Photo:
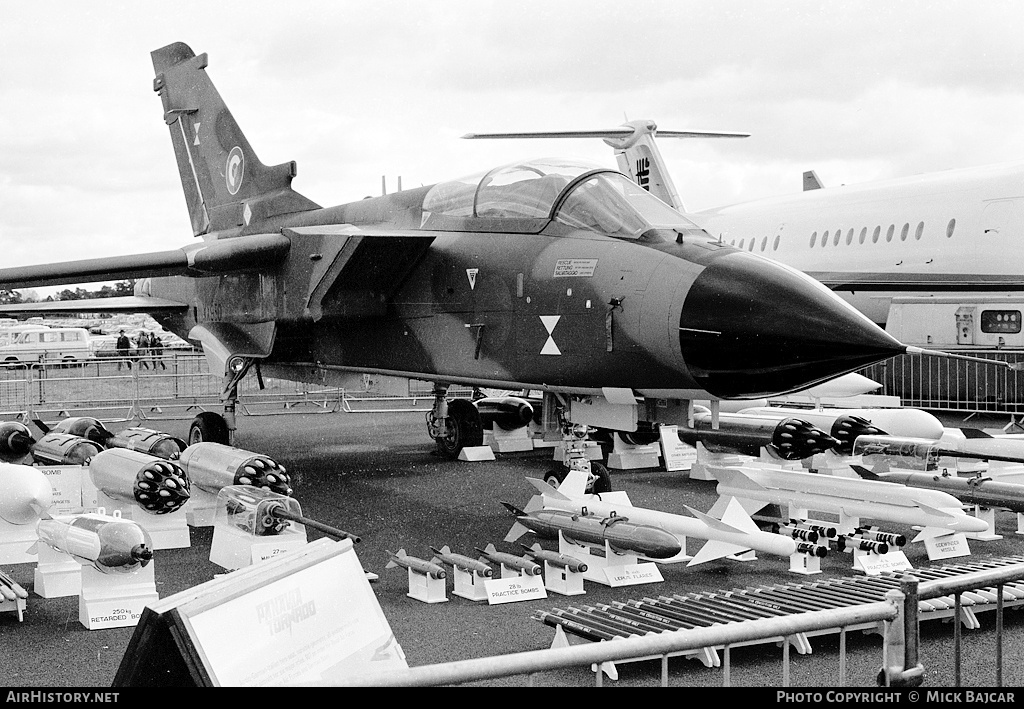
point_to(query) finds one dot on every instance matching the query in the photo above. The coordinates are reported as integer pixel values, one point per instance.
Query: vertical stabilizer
(225, 184)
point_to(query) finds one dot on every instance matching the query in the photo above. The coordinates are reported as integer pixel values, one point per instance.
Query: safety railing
(897, 615)
(953, 384)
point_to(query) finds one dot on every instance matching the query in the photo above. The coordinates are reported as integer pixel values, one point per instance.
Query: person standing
(156, 349)
(123, 346)
(143, 349)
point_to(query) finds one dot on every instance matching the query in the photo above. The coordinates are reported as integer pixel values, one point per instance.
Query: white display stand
(201, 508)
(469, 585)
(699, 469)
(15, 542)
(829, 463)
(561, 580)
(168, 531)
(425, 588)
(627, 456)
(115, 600)
(237, 537)
(18, 606)
(66, 481)
(804, 564)
(57, 574)
(502, 441)
(612, 569)
(475, 453)
(989, 515)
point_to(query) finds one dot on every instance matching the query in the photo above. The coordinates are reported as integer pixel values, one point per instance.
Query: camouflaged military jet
(550, 275)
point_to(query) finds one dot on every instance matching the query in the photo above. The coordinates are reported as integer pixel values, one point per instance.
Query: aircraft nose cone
(750, 327)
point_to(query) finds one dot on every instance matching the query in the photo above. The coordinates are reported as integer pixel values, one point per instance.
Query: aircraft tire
(464, 429)
(208, 427)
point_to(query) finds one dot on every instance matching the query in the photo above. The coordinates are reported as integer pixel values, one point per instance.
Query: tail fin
(225, 184)
(636, 152)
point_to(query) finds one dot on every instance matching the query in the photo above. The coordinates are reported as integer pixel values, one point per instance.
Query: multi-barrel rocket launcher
(212, 466)
(787, 438)
(110, 544)
(157, 485)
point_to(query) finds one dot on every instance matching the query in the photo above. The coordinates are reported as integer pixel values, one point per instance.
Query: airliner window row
(837, 236)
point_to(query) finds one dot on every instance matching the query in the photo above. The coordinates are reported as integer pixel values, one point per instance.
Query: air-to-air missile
(213, 466)
(420, 566)
(518, 563)
(459, 561)
(111, 544)
(978, 490)
(553, 557)
(25, 493)
(507, 412)
(11, 590)
(159, 486)
(791, 438)
(622, 536)
(56, 448)
(936, 511)
(15, 441)
(733, 532)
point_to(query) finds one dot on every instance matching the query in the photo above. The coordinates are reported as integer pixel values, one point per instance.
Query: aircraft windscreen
(520, 190)
(612, 204)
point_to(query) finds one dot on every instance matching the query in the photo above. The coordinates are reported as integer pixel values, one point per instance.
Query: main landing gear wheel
(463, 429)
(601, 479)
(208, 427)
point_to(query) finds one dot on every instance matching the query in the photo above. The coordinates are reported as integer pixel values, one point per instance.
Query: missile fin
(716, 523)
(517, 530)
(864, 473)
(931, 533)
(736, 516)
(975, 433)
(749, 506)
(546, 489)
(536, 503)
(391, 558)
(715, 550)
(574, 485)
(734, 477)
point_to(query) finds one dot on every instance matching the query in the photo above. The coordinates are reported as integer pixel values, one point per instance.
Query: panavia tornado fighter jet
(548, 275)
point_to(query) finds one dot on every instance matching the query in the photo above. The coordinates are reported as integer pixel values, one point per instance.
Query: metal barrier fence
(176, 386)
(953, 384)
(897, 615)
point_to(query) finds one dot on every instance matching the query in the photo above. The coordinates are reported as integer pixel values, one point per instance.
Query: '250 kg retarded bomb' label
(282, 612)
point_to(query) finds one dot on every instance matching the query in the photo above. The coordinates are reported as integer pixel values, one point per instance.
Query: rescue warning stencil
(565, 267)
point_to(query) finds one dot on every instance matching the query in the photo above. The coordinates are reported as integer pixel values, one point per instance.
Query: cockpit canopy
(528, 195)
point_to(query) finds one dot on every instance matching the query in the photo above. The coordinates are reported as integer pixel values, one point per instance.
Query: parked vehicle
(67, 344)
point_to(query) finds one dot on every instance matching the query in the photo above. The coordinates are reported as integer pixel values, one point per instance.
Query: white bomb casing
(25, 493)
(110, 544)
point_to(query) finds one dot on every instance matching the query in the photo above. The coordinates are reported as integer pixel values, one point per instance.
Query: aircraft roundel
(234, 169)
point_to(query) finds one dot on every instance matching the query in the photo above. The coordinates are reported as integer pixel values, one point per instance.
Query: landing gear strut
(574, 441)
(454, 424)
(212, 427)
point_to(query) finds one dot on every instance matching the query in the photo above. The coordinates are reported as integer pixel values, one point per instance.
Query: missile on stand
(56, 448)
(421, 566)
(111, 544)
(459, 561)
(213, 466)
(979, 490)
(159, 486)
(851, 543)
(621, 535)
(15, 441)
(790, 438)
(512, 561)
(25, 493)
(563, 561)
(507, 412)
(812, 549)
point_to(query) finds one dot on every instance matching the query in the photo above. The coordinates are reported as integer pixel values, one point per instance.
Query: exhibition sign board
(302, 617)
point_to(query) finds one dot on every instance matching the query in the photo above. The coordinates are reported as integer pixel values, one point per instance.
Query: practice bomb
(421, 566)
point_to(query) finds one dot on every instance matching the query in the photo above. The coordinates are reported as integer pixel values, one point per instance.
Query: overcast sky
(857, 91)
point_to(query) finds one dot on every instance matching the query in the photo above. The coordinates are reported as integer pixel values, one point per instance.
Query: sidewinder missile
(15, 441)
(728, 534)
(841, 425)
(512, 561)
(110, 544)
(212, 466)
(978, 490)
(25, 493)
(622, 536)
(420, 566)
(563, 561)
(754, 488)
(159, 486)
(789, 438)
(148, 441)
(11, 590)
(466, 563)
(57, 448)
(507, 412)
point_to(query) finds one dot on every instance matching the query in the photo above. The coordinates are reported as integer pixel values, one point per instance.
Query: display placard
(514, 588)
(306, 616)
(875, 564)
(947, 546)
(633, 574)
(676, 454)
